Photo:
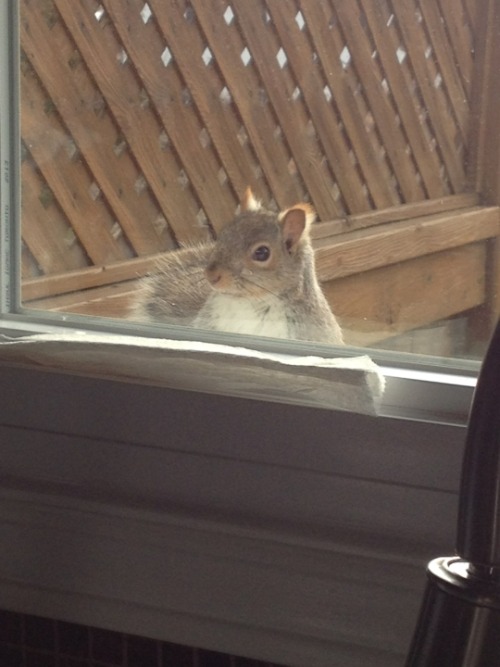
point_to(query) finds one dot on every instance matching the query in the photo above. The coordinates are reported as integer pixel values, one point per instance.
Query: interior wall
(293, 535)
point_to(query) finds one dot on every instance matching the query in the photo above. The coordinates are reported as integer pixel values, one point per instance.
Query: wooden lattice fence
(143, 123)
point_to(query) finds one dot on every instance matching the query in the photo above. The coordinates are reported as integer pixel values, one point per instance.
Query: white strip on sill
(353, 384)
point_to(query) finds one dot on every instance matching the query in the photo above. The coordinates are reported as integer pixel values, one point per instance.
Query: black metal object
(459, 623)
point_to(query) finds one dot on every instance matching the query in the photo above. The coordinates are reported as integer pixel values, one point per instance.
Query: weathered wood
(484, 164)
(29, 266)
(350, 223)
(68, 183)
(380, 104)
(80, 104)
(372, 306)
(362, 250)
(45, 232)
(106, 301)
(484, 167)
(435, 103)
(171, 108)
(459, 29)
(491, 303)
(279, 88)
(473, 8)
(394, 61)
(443, 54)
(88, 278)
(331, 250)
(351, 108)
(329, 137)
(377, 304)
(129, 104)
(167, 93)
(206, 85)
(259, 123)
(299, 53)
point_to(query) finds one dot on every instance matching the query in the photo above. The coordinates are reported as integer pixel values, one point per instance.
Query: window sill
(237, 522)
(292, 373)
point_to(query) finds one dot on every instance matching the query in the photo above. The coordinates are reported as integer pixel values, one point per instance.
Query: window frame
(419, 388)
(366, 561)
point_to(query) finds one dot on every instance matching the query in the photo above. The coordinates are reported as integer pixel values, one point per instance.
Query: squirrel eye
(261, 253)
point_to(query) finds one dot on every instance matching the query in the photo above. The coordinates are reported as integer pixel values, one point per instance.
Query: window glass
(146, 127)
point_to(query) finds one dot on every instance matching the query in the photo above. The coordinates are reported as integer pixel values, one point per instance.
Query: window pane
(144, 123)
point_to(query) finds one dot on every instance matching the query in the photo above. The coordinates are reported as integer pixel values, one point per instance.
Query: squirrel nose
(214, 275)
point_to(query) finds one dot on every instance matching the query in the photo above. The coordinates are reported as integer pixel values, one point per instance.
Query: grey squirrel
(257, 278)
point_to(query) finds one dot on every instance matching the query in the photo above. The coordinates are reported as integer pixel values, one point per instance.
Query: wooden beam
(109, 301)
(484, 134)
(330, 233)
(388, 301)
(484, 142)
(350, 223)
(372, 306)
(88, 278)
(363, 250)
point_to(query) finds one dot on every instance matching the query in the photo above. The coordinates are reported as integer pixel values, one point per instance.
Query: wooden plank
(300, 57)
(372, 306)
(167, 93)
(492, 300)
(416, 46)
(399, 76)
(259, 123)
(29, 266)
(414, 210)
(91, 277)
(74, 95)
(187, 44)
(390, 300)
(383, 112)
(110, 301)
(44, 229)
(351, 107)
(365, 249)
(138, 124)
(443, 53)
(460, 33)
(484, 170)
(484, 166)
(303, 145)
(443, 338)
(84, 279)
(474, 9)
(482, 322)
(68, 178)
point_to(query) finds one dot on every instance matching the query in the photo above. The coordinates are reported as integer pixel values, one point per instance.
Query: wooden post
(484, 146)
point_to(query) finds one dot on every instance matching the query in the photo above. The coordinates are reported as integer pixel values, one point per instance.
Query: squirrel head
(250, 203)
(260, 251)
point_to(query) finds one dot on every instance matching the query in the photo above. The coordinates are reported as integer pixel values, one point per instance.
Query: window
(193, 491)
(363, 111)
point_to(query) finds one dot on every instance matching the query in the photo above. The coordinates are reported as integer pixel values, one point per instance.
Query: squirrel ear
(249, 203)
(295, 223)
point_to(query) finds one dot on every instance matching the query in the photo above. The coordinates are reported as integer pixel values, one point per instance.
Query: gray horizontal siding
(282, 533)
